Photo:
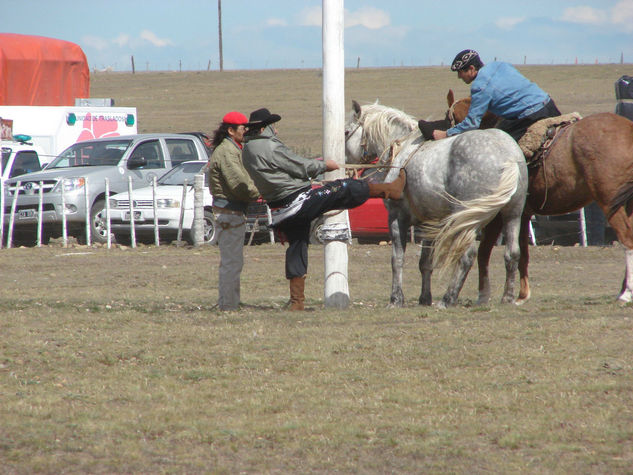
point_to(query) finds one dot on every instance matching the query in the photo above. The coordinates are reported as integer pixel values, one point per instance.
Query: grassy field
(116, 361)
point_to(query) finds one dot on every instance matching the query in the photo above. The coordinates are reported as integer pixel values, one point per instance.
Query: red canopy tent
(38, 71)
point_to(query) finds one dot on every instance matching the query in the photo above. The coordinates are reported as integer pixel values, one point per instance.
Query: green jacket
(228, 180)
(276, 170)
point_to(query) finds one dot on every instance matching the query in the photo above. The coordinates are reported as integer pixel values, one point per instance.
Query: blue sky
(173, 34)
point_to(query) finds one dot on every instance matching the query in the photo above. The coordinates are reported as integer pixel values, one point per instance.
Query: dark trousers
(339, 194)
(517, 127)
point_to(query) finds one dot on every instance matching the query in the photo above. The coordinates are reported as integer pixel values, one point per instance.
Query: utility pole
(336, 231)
(220, 33)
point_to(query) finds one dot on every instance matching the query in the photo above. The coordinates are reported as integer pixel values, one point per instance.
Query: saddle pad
(537, 133)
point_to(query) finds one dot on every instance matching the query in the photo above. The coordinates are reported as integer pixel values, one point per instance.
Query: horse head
(371, 129)
(458, 110)
(355, 147)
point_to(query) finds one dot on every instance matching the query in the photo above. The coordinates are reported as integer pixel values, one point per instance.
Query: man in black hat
(500, 88)
(284, 180)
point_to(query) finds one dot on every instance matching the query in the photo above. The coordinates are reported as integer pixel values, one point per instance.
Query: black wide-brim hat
(262, 117)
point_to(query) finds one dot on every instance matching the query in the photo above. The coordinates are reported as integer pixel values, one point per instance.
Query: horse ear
(356, 107)
(450, 97)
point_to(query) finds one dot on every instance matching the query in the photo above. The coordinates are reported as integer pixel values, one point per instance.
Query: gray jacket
(276, 170)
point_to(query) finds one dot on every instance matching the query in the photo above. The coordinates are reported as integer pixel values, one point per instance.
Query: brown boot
(297, 297)
(391, 191)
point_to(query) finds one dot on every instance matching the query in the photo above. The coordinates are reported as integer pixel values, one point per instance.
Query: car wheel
(315, 231)
(210, 228)
(98, 231)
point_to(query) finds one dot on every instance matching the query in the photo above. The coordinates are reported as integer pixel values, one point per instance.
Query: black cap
(466, 58)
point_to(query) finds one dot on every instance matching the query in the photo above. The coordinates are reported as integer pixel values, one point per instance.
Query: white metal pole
(336, 287)
(531, 233)
(155, 208)
(107, 210)
(89, 216)
(197, 226)
(131, 207)
(40, 206)
(1, 211)
(64, 228)
(583, 228)
(12, 217)
(271, 233)
(182, 211)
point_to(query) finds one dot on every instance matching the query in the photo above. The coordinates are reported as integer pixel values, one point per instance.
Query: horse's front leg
(398, 225)
(426, 270)
(489, 238)
(459, 277)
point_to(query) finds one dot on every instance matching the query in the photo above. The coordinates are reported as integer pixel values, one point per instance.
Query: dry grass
(115, 361)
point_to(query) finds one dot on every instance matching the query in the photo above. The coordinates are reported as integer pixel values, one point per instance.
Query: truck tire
(98, 231)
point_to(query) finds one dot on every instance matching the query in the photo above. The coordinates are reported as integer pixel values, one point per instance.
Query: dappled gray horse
(455, 186)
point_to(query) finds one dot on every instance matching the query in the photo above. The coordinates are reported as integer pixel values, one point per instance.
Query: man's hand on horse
(439, 134)
(331, 165)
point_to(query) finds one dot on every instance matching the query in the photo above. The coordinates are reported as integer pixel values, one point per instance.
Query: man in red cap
(232, 189)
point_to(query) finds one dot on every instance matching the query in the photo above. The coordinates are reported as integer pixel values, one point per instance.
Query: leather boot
(297, 297)
(391, 191)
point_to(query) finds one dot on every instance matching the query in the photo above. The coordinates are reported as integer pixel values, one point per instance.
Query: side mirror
(136, 162)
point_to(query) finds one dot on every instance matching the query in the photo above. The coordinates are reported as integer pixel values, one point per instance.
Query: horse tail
(454, 234)
(624, 195)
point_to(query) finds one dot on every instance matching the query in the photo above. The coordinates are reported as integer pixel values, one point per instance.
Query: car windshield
(184, 171)
(92, 154)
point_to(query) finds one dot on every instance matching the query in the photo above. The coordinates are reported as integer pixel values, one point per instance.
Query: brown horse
(591, 160)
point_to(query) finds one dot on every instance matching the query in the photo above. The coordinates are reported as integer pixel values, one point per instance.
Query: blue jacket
(504, 91)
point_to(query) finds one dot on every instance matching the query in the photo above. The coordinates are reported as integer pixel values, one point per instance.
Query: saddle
(541, 135)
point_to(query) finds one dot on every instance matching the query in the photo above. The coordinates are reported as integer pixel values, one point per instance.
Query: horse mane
(384, 124)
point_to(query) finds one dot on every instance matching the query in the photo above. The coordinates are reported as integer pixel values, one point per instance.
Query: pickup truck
(82, 169)
(20, 157)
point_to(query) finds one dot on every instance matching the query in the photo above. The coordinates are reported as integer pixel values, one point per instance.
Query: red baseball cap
(235, 118)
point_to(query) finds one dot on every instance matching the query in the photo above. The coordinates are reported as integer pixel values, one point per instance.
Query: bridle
(450, 115)
(366, 157)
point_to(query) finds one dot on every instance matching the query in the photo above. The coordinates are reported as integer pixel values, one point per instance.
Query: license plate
(138, 216)
(27, 214)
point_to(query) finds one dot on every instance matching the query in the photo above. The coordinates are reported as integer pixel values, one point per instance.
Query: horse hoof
(625, 297)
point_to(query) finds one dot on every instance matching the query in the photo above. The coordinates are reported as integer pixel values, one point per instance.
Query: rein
(450, 115)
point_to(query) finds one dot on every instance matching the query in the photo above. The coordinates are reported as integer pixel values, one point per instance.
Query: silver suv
(85, 166)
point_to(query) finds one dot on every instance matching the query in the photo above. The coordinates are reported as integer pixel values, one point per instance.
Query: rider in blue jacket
(500, 88)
